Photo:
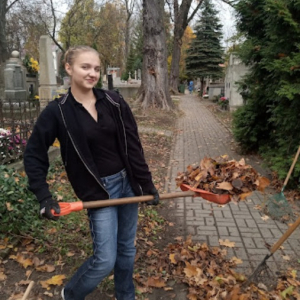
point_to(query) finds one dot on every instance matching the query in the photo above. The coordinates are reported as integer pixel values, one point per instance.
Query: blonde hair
(72, 53)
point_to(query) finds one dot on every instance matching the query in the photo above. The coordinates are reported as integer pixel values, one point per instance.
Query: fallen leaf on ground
(25, 262)
(55, 280)
(156, 282)
(2, 276)
(46, 268)
(226, 243)
(236, 260)
(286, 257)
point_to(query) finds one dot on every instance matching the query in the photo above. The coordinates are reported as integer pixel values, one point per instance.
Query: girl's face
(85, 70)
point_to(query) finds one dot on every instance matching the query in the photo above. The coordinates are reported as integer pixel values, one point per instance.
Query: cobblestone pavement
(199, 134)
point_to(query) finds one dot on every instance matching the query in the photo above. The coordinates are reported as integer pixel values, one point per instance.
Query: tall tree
(129, 5)
(137, 41)
(181, 21)
(5, 6)
(269, 122)
(102, 26)
(183, 14)
(23, 30)
(154, 89)
(205, 53)
(78, 23)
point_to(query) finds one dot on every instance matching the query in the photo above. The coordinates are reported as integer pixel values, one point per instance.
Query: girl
(103, 158)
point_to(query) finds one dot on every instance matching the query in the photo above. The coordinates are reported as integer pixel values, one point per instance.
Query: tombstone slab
(14, 83)
(48, 84)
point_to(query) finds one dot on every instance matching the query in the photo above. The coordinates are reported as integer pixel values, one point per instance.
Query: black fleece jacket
(59, 120)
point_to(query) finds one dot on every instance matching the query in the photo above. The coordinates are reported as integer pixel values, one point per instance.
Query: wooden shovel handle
(68, 207)
(285, 236)
(291, 168)
(30, 286)
(113, 202)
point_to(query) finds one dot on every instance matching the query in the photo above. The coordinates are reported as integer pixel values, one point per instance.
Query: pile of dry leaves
(223, 176)
(208, 274)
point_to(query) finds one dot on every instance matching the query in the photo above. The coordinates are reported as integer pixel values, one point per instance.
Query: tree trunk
(126, 39)
(3, 42)
(181, 21)
(154, 91)
(203, 82)
(174, 72)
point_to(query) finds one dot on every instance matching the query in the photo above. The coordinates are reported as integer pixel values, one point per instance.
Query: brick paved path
(199, 134)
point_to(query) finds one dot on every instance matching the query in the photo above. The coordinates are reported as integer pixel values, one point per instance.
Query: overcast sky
(226, 15)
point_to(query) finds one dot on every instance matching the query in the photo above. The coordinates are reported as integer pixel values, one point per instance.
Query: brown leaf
(226, 243)
(8, 206)
(25, 262)
(55, 280)
(265, 217)
(172, 258)
(191, 271)
(236, 260)
(225, 186)
(192, 296)
(36, 261)
(46, 268)
(243, 196)
(156, 282)
(2, 276)
(262, 183)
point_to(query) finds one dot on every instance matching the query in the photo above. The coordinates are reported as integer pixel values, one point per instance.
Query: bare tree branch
(10, 6)
(170, 8)
(195, 11)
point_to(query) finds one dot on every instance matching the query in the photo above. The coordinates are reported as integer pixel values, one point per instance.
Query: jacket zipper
(120, 115)
(118, 106)
(79, 153)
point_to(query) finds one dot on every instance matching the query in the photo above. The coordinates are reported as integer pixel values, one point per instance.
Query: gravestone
(48, 84)
(15, 94)
(14, 79)
(32, 84)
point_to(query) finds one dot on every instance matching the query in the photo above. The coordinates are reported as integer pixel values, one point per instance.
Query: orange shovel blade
(216, 198)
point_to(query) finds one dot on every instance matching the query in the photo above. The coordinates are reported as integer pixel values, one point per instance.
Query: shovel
(188, 191)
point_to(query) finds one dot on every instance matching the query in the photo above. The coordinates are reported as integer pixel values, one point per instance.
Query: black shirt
(101, 137)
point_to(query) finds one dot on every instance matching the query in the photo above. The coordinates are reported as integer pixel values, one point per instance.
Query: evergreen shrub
(18, 209)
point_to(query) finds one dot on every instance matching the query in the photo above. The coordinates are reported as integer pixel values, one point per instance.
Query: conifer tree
(269, 122)
(205, 52)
